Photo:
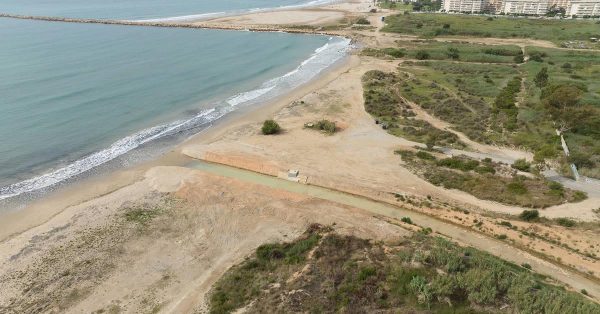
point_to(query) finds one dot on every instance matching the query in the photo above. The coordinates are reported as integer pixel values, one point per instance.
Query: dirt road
(466, 237)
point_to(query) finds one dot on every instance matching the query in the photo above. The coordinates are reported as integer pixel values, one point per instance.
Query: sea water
(146, 9)
(76, 96)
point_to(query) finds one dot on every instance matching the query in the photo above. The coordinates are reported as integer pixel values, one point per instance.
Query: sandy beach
(89, 248)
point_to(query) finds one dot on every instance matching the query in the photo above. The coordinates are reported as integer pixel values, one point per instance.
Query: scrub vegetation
(323, 272)
(488, 180)
(521, 106)
(384, 103)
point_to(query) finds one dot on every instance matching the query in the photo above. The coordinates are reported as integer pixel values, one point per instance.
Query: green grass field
(432, 25)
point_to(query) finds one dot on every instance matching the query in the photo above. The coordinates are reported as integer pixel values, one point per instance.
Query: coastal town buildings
(493, 6)
(464, 6)
(583, 8)
(558, 3)
(525, 7)
(579, 8)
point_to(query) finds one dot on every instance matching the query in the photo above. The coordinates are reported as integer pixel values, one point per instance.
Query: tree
(270, 127)
(541, 78)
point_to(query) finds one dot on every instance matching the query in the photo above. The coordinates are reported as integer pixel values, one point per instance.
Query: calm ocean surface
(143, 9)
(76, 96)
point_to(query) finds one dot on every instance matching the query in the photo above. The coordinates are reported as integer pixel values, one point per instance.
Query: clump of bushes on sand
(324, 126)
(363, 21)
(270, 127)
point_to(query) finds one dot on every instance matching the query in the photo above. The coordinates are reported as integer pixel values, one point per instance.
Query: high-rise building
(464, 6)
(525, 7)
(493, 6)
(558, 4)
(583, 8)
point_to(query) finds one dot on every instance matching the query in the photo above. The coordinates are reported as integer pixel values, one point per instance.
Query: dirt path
(466, 237)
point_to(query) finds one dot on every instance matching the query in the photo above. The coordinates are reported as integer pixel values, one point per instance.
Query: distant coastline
(172, 24)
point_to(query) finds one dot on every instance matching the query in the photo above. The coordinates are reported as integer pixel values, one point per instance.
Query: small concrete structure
(293, 174)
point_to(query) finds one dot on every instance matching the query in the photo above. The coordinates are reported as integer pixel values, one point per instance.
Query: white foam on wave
(204, 16)
(321, 59)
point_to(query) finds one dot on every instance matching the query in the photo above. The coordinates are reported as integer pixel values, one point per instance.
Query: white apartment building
(558, 3)
(528, 7)
(464, 6)
(583, 8)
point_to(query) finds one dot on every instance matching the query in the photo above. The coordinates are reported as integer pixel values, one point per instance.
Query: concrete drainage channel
(476, 240)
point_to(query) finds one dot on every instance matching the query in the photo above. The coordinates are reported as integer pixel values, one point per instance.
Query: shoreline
(49, 205)
(303, 70)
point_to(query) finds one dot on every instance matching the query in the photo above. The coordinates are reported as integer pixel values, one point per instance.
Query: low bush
(458, 163)
(530, 215)
(566, 222)
(406, 220)
(324, 125)
(422, 55)
(363, 21)
(270, 127)
(521, 165)
(425, 155)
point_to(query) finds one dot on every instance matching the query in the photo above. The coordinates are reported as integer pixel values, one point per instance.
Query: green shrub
(517, 187)
(422, 55)
(453, 53)
(363, 21)
(522, 165)
(270, 127)
(458, 163)
(322, 125)
(485, 169)
(394, 52)
(566, 222)
(406, 220)
(425, 155)
(530, 215)
(366, 272)
(519, 59)
(579, 196)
